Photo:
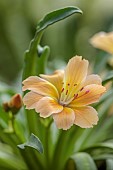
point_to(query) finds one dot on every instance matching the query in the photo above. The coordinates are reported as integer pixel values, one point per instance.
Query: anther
(68, 84)
(62, 90)
(66, 92)
(81, 88)
(75, 96)
(75, 84)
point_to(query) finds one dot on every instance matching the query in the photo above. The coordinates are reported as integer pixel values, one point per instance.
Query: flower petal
(47, 106)
(90, 94)
(75, 73)
(86, 117)
(92, 79)
(76, 70)
(103, 41)
(31, 99)
(65, 119)
(56, 79)
(40, 86)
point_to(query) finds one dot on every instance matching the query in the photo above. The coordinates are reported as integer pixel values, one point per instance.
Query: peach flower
(103, 41)
(65, 95)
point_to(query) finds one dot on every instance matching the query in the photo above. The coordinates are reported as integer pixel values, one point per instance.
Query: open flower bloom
(103, 41)
(65, 95)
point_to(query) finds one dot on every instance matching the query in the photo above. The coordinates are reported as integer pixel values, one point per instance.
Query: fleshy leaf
(83, 160)
(104, 145)
(56, 16)
(109, 164)
(32, 142)
(32, 64)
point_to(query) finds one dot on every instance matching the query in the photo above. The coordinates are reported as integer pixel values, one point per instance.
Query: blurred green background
(18, 22)
(19, 18)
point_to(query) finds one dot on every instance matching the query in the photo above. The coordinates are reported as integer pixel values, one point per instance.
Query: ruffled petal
(75, 73)
(88, 95)
(92, 79)
(47, 106)
(103, 41)
(76, 70)
(40, 86)
(85, 117)
(31, 99)
(65, 119)
(56, 79)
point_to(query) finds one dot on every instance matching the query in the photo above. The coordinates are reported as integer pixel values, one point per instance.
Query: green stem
(42, 60)
(58, 149)
(34, 126)
(29, 160)
(47, 140)
(62, 152)
(32, 121)
(31, 57)
(27, 154)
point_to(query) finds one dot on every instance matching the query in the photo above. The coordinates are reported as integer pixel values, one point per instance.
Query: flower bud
(14, 104)
(6, 107)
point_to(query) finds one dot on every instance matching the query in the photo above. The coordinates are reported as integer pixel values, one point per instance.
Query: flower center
(71, 92)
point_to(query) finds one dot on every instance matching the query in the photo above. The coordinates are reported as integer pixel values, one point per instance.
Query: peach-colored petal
(47, 106)
(103, 41)
(75, 74)
(65, 119)
(76, 70)
(88, 95)
(31, 99)
(86, 117)
(40, 86)
(56, 79)
(92, 79)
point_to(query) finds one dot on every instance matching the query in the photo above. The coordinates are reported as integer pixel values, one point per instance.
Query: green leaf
(102, 156)
(83, 160)
(101, 151)
(109, 164)
(105, 97)
(43, 53)
(10, 160)
(56, 16)
(108, 77)
(107, 145)
(31, 55)
(33, 142)
(100, 62)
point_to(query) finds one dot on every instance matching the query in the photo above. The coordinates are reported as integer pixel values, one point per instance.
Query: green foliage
(31, 55)
(33, 142)
(83, 160)
(56, 16)
(109, 77)
(75, 149)
(109, 164)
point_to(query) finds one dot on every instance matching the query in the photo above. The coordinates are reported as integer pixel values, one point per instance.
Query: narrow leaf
(104, 145)
(84, 161)
(102, 156)
(31, 55)
(56, 16)
(9, 159)
(33, 142)
(109, 164)
(108, 77)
